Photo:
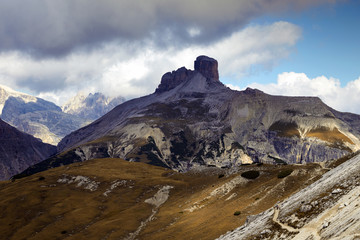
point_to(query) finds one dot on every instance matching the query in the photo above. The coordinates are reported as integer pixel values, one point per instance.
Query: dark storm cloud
(53, 28)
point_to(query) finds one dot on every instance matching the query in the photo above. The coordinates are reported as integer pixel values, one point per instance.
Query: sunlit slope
(116, 199)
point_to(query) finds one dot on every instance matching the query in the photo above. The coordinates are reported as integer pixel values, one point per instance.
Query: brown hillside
(201, 205)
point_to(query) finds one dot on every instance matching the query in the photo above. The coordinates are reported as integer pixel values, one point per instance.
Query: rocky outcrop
(327, 209)
(207, 66)
(172, 79)
(19, 150)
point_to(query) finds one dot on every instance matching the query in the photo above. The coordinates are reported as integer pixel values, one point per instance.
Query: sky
(54, 49)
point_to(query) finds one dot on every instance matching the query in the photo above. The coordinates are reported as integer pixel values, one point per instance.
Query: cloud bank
(116, 70)
(342, 98)
(48, 28)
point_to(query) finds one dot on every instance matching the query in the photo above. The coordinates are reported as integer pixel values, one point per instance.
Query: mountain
(92, 106)
(36, 116)
(19, 150)
(47, 121)
(40, 118)
(193, 120)
(201, 135)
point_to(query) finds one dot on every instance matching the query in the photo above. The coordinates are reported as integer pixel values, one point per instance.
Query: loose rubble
(81, 181)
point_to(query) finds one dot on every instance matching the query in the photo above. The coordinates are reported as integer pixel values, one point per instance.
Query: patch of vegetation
(333, 136)
(284, 173)
(329, 115)
(337, 162)
(237, 213)
(250, 174)
(166, 111)
(65, 158)
(152, 152)
(228, 130)
(236, 145)
(285, 129)
(41, 178)
(179, 146)
(293, 112)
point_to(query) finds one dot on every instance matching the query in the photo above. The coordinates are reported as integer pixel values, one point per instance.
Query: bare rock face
(172, 79)
(19, 150)
(207, 66)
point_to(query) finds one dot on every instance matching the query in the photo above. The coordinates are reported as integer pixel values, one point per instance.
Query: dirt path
(322, 165)
(284, 226)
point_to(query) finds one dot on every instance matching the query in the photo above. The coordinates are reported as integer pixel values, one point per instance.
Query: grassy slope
(31, 208)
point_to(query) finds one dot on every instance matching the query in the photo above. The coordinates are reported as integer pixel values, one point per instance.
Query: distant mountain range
(47, 121)
(92, 106)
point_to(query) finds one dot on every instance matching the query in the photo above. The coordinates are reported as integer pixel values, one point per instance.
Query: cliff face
(18, 151)
(193, 120)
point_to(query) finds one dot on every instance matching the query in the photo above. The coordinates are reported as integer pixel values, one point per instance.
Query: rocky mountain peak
(172, 79)
(207, 66)
(91, 106)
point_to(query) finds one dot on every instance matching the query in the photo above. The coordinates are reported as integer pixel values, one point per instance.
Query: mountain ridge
(46, 120)
(193, 120)
(92, 106)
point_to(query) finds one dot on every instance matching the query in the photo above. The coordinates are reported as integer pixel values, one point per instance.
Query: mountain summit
(192, 120)
(204, 66)
(207, 66)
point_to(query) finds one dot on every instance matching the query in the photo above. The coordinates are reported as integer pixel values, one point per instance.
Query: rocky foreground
(327, 209)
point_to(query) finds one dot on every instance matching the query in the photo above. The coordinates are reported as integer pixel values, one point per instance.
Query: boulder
(305, 208)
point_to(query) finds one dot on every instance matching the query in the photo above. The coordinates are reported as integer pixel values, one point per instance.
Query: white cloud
(233, 87)
(118, 69)
(342, 98)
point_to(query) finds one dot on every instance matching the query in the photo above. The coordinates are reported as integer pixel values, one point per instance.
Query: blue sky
(329, 45)
(53, 49)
